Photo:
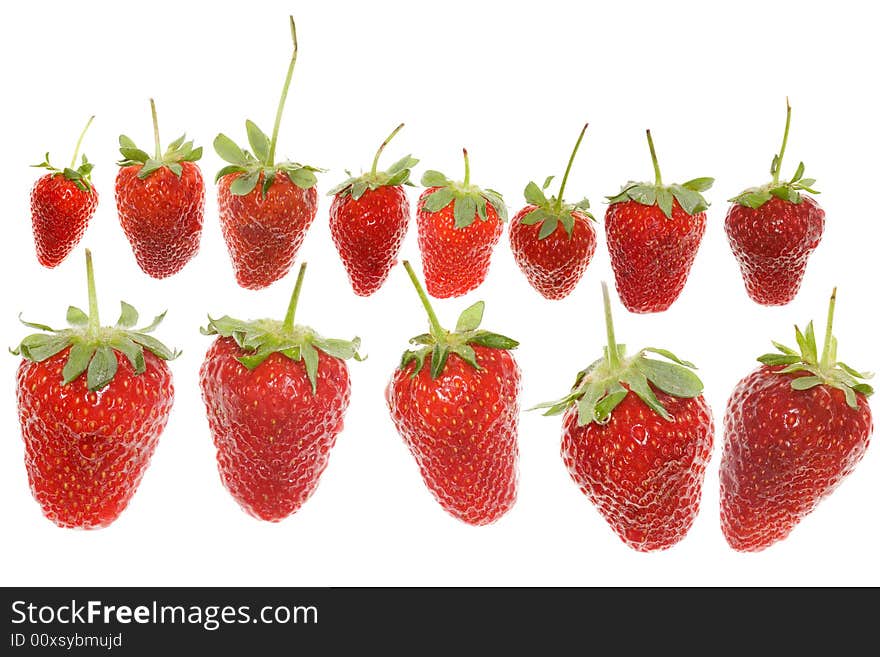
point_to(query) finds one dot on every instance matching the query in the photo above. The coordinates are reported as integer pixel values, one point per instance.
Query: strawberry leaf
(470, 318)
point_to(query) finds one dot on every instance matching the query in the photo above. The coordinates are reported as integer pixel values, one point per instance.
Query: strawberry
(794, 429)
(92, 403)
(773, 229)
(368, 221)
(161, 202)
(62, 203)
(265, 207)
(653, 233)
(275, 394)
(454, 400)
(459, 225)
(553, 241)
(636, 438)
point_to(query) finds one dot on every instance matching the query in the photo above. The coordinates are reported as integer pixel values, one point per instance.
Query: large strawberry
(636, 438)
(553, 241)
(161, 202)
(368, 220)
(793, 430)
(653, 232)
(459, 225)
(92, 403)
(773, 229)
(265, 207)
(62, 203)
(275, 393)
(455, 401)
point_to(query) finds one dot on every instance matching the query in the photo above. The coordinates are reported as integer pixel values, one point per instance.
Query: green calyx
(397, 174)
(440, 343)
(550, 212)
(603, 385)
(81, 175)
(260, 160)
(469, 200)
(178, 151)
(755, 197)
(93, 347)
(822, 370)
(261, 338)
(687, 194)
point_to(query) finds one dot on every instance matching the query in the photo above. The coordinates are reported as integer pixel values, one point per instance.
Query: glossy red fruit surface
(273, 435)
(161, 216)
(264, 234)
(772, 244)
(461, 428)
(555, 264)
(60, 214)
(644, 473)
(368, 233)
(651, 254)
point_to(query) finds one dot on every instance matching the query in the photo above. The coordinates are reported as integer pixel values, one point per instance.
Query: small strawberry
(794, 429)
(653, 233)
(62, 203)
(455, 401)
(459, 225)
(265, 208)
(773, 229)
(161, 202)
(636, 438)
(553, 241)
(275, 394)
(368, 221)
(92, 403)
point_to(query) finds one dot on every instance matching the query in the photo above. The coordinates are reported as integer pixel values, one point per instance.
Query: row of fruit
(653, 230)
(637, 434)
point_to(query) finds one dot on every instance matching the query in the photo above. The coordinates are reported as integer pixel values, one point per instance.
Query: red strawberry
(636, 438)
(161, 202)
(265, 208)
(368, 220)
(794, 429)
(92, 403)
(653, 233)
(773, 229)
(275, 395)
(459, 225)
(62, 202)
(454, 400)
(553, 241)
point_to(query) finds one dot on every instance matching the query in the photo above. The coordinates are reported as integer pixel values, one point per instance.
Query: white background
(514, 82)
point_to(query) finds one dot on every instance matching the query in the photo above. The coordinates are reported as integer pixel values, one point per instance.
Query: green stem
(294, 299)
(270, 160)
(436, 330)
(784, 142)
(155, 129)
(612, 355)
(559, 200)
(94, 319)
(80, 141)
(467, 168)
(382, 148)
(826, 363)
(657, 179)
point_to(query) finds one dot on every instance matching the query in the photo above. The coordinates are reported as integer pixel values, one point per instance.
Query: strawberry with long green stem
(553, 241)
(275, 393)
(369, 217)
(266, 207)
(62, 203)
(160, 199)
(455, 401)
(636, 439)
(92, 403)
